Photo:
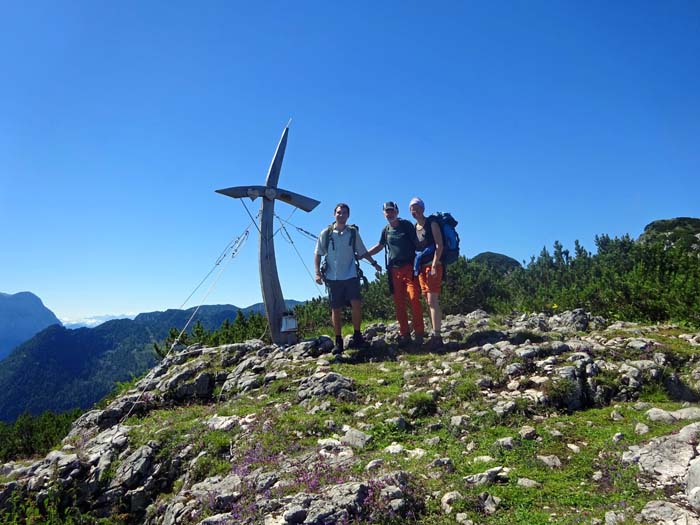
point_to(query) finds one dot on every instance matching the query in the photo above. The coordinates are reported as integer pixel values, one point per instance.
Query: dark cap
(389, 205)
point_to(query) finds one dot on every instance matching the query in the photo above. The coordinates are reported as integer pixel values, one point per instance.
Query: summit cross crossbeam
(269, 280)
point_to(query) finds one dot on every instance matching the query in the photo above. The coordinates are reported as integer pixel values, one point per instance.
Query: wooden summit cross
(269, 280)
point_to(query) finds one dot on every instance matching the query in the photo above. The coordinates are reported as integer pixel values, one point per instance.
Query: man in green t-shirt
(398, 238)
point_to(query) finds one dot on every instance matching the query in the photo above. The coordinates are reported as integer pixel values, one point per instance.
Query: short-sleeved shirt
(400, 243)
(340, 255)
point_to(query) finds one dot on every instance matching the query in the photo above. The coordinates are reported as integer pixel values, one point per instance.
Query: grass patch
(207, 466)
(173, 429)
(121, 388)
(420, 405)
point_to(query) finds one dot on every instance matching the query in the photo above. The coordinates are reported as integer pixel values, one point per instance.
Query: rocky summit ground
(531, 419)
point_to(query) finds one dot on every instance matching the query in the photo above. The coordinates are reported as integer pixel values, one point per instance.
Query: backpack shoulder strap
(353, 234)
(410, 229)
(353, 237)
(327, 240)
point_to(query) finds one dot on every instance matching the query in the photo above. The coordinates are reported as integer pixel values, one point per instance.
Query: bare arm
(317, 267)
(375, 249)
(369, 258)
(369, 253)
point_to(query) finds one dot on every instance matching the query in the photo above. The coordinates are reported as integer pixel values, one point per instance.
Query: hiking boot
(434, 342)
(404, 340)
(338, 348)
(419, 340)
(357, 341)
(337, 358)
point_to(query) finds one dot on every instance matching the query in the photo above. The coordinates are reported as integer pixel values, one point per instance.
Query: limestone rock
(666, 513)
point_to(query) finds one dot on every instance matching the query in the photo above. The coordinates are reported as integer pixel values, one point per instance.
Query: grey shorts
(342, 292)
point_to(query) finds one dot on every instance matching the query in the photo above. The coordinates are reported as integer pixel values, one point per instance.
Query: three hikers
(415, 258)
(341, 245)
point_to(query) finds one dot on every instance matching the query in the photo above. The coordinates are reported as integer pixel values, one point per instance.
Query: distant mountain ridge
(21, 316)
(93, 321)
(211, 316)
(59, 369)
(497, 262)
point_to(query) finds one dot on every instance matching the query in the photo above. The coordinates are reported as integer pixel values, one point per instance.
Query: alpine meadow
(561, 386)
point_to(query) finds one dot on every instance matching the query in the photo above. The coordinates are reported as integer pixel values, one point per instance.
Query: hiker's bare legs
(356, 314)
(433, 300)
(337, 318)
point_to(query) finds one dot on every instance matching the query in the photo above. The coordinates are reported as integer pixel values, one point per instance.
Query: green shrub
(467, 390)
(560, 392)
(420, 404)
(34, 435)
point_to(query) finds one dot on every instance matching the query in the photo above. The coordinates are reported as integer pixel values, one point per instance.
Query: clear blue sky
(531, 121)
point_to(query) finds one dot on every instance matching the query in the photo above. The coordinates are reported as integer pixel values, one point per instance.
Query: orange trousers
(407, 290)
